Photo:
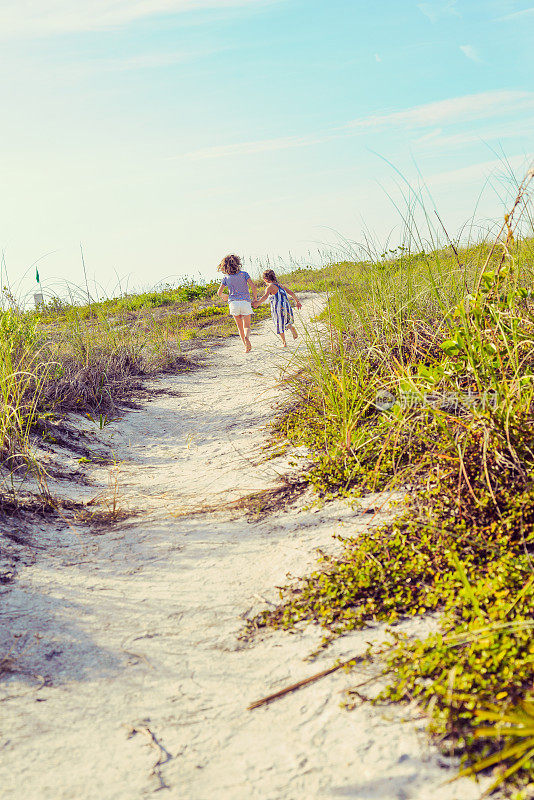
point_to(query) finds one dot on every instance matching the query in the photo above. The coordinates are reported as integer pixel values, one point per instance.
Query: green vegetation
(87, 358)
(167, 296)
(424, 381)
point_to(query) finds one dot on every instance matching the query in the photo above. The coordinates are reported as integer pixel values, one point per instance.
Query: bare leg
(246, 332)
(283, 338)
(293, 331)
(239, 322)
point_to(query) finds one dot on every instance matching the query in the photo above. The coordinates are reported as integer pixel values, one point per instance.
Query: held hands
(299, 304)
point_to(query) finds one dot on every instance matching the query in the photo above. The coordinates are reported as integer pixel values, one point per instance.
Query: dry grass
(92, 359)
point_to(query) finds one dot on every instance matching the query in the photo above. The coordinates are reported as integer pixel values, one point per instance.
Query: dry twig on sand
(304, 682)
(163, 755)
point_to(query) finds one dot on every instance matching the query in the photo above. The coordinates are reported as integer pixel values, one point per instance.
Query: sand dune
(131, 676)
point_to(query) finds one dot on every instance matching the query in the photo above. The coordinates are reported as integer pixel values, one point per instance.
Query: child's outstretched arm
(253, 289)
(222, 289)
(294, 296)
(257, 302)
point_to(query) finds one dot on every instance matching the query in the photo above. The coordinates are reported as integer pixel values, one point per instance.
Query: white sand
(137, 628)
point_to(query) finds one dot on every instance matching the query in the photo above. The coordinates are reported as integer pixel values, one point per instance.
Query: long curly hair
(230, 265)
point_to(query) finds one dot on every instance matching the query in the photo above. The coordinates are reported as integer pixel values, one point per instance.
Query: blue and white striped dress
(281, 310)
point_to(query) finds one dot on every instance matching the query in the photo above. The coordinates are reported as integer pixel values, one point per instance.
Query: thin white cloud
(468, 108)
(471, 53)
(46, 17)
(456, 110)
(430, 137)
(474, 173)
(258, 146)
(526, 12)
(438, 9)
(145, 61)
(438, 140)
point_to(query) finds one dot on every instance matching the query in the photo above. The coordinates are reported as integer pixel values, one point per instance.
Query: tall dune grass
(90, 357)
(424, 381)
(22, 378)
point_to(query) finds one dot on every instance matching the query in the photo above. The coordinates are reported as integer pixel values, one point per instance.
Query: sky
(159, 135)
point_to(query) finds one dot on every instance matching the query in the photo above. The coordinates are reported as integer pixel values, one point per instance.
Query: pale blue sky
(163, 134)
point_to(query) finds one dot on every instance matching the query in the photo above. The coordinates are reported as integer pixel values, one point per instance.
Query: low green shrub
(449, 339)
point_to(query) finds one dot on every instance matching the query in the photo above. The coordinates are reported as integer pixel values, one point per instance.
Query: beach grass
(423, 384)
(89, 357)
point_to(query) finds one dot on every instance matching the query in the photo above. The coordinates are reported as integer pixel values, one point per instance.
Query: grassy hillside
(425, 382)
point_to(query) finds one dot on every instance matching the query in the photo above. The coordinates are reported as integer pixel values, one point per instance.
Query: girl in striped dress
(281, 310)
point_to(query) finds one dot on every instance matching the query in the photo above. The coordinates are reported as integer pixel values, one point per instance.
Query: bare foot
(295, 334)
(248, 346)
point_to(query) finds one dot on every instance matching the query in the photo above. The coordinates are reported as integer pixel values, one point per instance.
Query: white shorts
(240, 308)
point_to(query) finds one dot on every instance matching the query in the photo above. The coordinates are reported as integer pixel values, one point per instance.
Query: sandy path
(137, 629)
